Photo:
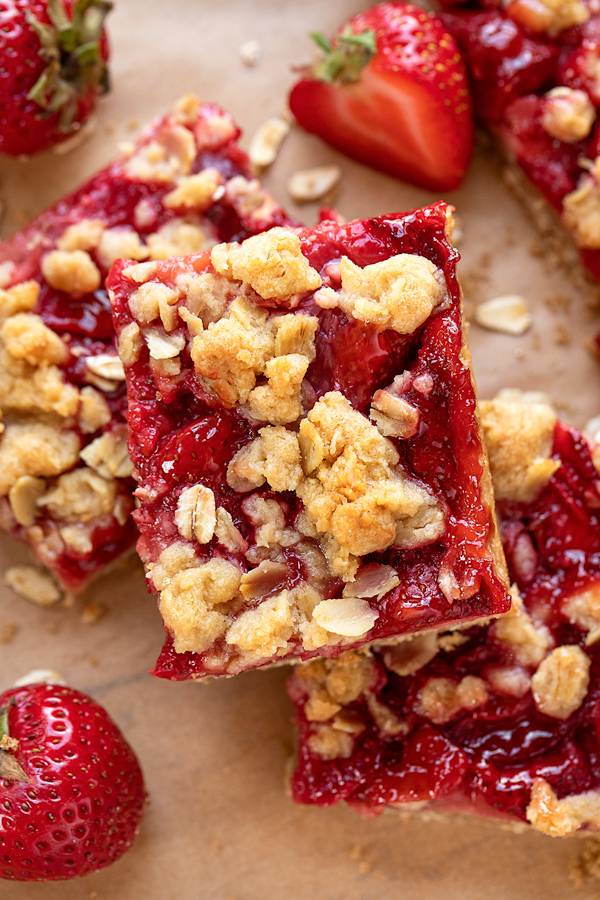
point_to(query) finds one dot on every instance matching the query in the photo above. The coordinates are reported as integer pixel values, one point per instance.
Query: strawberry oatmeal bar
(499, 720)
(65, 476)
(303, 428)
(536, 85)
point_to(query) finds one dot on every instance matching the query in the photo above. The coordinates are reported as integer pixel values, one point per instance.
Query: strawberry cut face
(398, 111)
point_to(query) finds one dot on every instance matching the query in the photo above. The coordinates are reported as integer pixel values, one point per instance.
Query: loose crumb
(92, 613)
(7, 631)
(586, 866)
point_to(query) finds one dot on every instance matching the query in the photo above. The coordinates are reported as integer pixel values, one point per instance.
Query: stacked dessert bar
(303, 429)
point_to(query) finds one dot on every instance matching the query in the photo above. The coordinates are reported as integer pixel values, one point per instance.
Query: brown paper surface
(219, 825)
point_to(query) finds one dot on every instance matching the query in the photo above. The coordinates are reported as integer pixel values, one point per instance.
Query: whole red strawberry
(72, 792)
(392, 92)
(53, 56)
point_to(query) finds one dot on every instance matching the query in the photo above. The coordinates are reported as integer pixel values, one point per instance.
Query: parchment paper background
(219, 825)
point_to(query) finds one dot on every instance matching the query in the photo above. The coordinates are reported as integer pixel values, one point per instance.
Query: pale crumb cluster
(529, 641)
(398, 293)
(568, 114)
(519, 441)
(560, 682)
(440, 699)
(559, 818)
(550, 16)
(581, 207)
(582, 609)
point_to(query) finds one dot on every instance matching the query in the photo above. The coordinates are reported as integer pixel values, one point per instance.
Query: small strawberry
(392, 92)
(53, 56)
(71, 789)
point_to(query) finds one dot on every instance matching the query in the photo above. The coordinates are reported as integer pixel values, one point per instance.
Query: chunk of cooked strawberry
(392, 92)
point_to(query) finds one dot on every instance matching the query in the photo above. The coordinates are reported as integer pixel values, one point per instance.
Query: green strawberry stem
(10, 770)
(71, 50)
(345, 58)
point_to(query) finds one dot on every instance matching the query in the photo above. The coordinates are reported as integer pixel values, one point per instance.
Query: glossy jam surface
(85, 323)
(183, 434)
(485, 758)
(511, 69)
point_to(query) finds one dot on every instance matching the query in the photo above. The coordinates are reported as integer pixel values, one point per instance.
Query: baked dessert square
(65, 476)
(302, 425)
(500, 720)
(533, 68)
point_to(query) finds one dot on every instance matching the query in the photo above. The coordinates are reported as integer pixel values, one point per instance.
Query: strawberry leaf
(344, 60)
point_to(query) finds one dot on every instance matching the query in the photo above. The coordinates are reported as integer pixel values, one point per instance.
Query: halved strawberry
(392, 92)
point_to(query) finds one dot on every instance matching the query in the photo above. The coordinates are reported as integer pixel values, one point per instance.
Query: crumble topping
(36, 448)
(353, 488)
(583, 609)
(179, 237)
(273, 457)
(19, 298)
(519, 442)
(272, 263)
(72, 271)
(32, 389)
(168, 157)
(568, 114)
(80, 496)
(560, 682)
(26, 337)
(107, 455)
(195, 191)
(331, 743)
(559, 818)
(398, 293)
(191, 594)
(120, 243)
(551, 16)
(84, 235)
(512, 680)
(411, 654)
(346, 474)
(348, 616)
(440, 699)
(23, 497)
(227, 533)
(528, 641)
(393, 415)
(581, 208)
(130, 344)
(196, 513)
(94, 411)
(246, 343)
(152, 300)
